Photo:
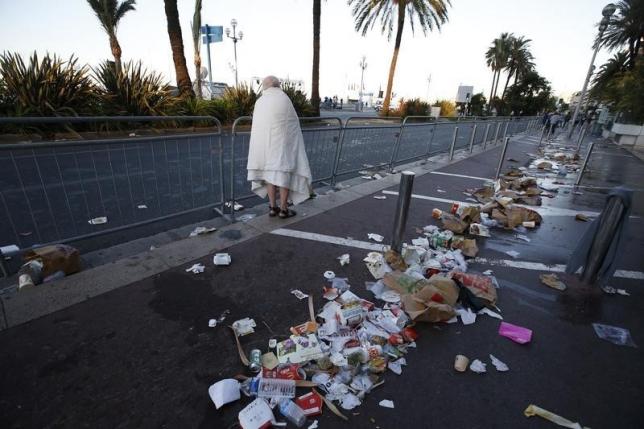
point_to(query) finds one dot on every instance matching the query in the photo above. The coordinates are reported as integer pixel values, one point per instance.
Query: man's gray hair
(270, 82)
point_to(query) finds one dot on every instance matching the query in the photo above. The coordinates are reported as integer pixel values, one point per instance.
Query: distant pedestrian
(276, 157)
(566, 119)
(555, 118)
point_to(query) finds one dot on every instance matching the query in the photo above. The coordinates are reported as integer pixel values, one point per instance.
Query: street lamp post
(607, 12)
(235, 38)
(363, 65)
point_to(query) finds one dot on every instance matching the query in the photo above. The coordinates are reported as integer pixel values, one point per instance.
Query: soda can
(454, 208)
(255, 361)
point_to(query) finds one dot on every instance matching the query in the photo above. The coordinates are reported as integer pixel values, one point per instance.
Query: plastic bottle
(292, 412)
(275, 388)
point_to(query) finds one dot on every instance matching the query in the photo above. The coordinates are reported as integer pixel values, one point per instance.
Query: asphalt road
(143, 356)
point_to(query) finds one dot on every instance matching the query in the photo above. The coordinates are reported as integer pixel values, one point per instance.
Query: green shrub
(194, 106)
(47, 87)
(239, 101)
(413, 107)
(133, 91)
(302, 105)
(448, 108)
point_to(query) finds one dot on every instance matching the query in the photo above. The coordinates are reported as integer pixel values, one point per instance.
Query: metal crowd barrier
(60, 191)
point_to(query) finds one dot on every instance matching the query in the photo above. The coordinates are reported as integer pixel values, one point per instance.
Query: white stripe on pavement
(543, 211)
(510, 263)
(442, 173)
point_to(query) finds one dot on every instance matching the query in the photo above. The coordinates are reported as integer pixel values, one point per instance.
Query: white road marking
(542, 210)
(442, 173)
(511, 263)
(330, 239)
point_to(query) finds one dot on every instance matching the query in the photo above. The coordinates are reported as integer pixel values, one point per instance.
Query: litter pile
(344, 351)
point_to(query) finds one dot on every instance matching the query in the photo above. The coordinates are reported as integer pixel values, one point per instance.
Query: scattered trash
(224, 392)
(376, 265)
(487, 272)
(386, 403)
(98, 220)
(582, 217)
(246, 217)
(344, 259)
(612, 291)
(513, 253)
(329, 275)
(313, 425)
(518, 334)
(533, 410)
(47, 263)
(221, 259)
(375, 237)
(292, 412)
(299, 294)
(349, 401)
(212, 323)
(200, 230)
(552, 281)
(272, 343)
(440, 191)
(490, 313)
(477, 366)
(500, 366)
(478, 229)
(196, 268)
(311, 404)
(244, 326)
(380, 197)
(396, 366)
(141, 207)
(238, 206)
(614, 334)
(256, 415)
(467, 316)
(460, 363)
(523, 238)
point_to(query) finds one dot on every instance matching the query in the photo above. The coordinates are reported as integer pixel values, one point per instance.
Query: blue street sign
(214, 32)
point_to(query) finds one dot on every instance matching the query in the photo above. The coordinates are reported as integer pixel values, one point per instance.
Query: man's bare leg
(284, 198)
(271, 194)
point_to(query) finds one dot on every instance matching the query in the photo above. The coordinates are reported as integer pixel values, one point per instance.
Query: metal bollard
(402, 209)
(472, 138)
(451, 148)
(611, 216)
(487, 130)
(505, 148)
(583, 166)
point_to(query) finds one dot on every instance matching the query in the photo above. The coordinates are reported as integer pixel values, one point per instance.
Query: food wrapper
(481, 286)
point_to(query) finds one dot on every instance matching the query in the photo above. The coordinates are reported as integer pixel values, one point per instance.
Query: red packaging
(409, 334)
(396, 339)
(454, 208)
(311, 404)
(289, 371)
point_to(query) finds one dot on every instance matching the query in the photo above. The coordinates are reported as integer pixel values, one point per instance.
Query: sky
(278, 40)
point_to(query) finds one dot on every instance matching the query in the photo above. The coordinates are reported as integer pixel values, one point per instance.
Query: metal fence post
(394, 155)
(472, 137)
(505, 130)
(496, 134)
(487, 130)
(543, 132)
(580, 138)
(402, 209)
(451, 148)
(583, 166)
(505, 148)
(611, 218)
(338, 151)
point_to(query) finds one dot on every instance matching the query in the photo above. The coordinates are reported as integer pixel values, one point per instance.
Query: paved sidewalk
(143, 356)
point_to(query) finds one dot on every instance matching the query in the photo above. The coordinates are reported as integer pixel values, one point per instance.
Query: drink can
(454, 208)
(255, 364)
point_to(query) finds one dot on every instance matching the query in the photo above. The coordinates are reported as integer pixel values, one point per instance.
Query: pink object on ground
(518, 334)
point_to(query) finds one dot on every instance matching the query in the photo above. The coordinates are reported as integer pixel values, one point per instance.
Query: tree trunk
(394, 58)
(176, 43)
(507, 81)
(116, 51)
(489, 102)
(315, 78)
(198, 73)
(498, 78)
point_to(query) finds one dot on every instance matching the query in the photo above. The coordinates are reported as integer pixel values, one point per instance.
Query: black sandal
(273, 211)
(286, 213)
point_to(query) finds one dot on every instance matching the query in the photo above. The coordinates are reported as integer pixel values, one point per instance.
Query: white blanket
(276, 154)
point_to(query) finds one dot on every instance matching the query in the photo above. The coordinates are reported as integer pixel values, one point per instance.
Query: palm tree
(176, 42)
(519, 59)
(426, 13)
(196, 28)
(315, 78)
(626, 28)
(608, 75)
(109, 13)
(497, 59)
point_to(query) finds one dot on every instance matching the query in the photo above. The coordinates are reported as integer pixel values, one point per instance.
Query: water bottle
(292, 412)
(275, 388)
